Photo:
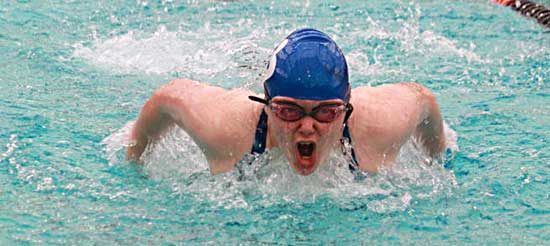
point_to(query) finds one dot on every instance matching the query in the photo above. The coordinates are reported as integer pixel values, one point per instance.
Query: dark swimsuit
(261, 137)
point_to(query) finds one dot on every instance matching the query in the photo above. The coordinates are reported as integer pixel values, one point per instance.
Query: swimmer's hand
(504, 2)
(134, 151)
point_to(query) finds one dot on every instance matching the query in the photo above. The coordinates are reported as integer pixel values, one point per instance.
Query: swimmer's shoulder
(384, 113)
(197, 93)
(382, 119)
(221, 121)
(228, 107)
(189, 90)
(388, 94)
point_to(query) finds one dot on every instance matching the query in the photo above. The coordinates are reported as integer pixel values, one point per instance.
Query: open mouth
(306, 149)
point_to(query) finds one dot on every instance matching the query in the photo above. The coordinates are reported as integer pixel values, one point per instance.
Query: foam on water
(214, 57)
(10, 147)
(202, 53)
(369, 60)
(73, 71)
(178, 162)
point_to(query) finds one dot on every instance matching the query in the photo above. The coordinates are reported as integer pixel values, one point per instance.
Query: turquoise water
(74, 75)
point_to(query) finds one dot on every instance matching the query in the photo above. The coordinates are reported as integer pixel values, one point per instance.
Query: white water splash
(202, 52)
(410, 38)
(11, 146)
(241, 58)
(435, 44)
(178, 162)
(117, 142)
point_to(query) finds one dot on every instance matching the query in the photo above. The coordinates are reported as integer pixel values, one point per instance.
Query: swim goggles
(291, 112)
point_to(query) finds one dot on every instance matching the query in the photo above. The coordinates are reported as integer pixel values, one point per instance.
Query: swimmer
(308, 110)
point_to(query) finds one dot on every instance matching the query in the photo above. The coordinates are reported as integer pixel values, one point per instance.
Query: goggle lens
(323, 113)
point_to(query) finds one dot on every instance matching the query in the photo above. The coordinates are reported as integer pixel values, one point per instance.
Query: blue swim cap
(308, 65)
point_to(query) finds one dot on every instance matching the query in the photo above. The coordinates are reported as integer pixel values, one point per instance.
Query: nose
(307, 126)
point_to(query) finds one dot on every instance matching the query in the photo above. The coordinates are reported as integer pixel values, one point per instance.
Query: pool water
(74, 75)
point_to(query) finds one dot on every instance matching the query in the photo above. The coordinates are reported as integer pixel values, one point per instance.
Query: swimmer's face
(305, 142)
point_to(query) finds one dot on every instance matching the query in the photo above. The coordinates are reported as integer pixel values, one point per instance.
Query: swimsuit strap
(347, 138)
(261, 135)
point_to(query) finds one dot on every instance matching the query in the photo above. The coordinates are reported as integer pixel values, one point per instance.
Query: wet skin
(291, 136)
(384, 118)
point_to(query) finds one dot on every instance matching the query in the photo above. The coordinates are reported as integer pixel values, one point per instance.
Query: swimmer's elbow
(421, 91)
(431, 127)
(168, 99)
(154, 119)
(176, 95)
(165, 92)
(430, 99)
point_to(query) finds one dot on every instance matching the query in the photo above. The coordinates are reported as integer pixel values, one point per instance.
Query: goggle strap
(257, 99)
(348, 113)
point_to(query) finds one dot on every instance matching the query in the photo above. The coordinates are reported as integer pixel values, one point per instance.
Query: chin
(305, 167)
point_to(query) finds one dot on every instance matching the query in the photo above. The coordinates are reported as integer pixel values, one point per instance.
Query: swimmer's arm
(218, 120)
(168, 106)
(152, 122)
(429, 130)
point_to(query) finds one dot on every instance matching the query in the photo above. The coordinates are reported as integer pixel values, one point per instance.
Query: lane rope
(533, 10)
